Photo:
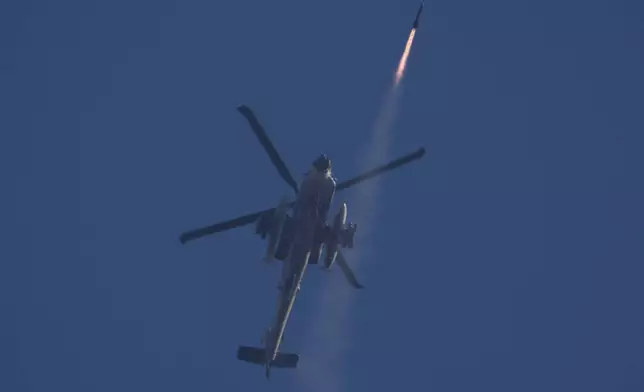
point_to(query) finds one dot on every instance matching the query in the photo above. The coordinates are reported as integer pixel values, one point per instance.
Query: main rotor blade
(382, 169)
(348, 273)
(222, 226)
(268, 146)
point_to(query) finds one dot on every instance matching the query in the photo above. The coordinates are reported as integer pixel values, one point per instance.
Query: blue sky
(508, 259)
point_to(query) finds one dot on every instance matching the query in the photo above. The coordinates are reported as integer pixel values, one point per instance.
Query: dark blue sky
(508, 259)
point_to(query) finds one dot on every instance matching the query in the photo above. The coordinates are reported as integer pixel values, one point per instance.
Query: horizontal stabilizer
(258, 357)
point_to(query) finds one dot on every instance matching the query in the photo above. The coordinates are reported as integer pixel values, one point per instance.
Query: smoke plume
(322, 362)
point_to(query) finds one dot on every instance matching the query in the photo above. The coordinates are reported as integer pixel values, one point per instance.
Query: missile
(415, 25)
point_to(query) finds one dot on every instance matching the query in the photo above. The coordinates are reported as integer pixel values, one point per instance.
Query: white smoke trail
(376, 153)
(321, 363)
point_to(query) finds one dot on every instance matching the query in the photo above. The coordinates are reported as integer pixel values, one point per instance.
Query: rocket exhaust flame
(403, 60)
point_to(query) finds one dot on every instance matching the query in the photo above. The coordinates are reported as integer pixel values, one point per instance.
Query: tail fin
(258, 356)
